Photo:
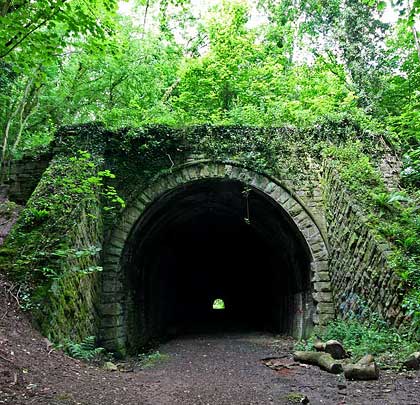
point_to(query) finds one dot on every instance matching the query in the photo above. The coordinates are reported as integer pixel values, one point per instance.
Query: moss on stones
(54, 250)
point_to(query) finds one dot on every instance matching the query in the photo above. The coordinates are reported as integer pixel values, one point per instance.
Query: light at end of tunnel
(218, 304)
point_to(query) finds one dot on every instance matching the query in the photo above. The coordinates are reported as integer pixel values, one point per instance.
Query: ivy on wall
(56, 242)
(393, 215)
(96, 172)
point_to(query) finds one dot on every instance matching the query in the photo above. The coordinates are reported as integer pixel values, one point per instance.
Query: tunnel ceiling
(221, 198)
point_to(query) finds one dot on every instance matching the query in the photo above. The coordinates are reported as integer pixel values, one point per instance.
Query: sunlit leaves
(41, 29)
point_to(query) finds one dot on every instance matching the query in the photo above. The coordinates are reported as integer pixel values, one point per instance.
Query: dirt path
(200, 369)
(227, 369)
(208, 370)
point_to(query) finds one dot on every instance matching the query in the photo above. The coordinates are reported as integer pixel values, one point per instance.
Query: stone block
(112, 334)
(185, 173)
(298, 214)
(212, 170)
(324, 319)
(113, 251)
(204, 171)
(325, 308)
(321, 276)
(246, 176)
(111, 285)
(228, 171)
(321, 255)
(236, 172)
(113, 309)
(112, 321)
(269, 188)
(111, 264)
(119, 234)
(323, 296)
(221, 170)
(322, 286)
(280, 195)
(116, 244)
(319, 266)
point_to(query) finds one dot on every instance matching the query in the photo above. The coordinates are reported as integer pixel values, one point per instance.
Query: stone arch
(310, 309)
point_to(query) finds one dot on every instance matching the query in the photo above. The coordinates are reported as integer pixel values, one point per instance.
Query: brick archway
(310, 309)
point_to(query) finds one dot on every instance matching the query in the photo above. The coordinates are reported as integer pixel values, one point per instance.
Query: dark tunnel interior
(207, 240)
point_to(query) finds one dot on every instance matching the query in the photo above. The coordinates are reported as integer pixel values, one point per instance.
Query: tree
(72, 61)
(43, 28)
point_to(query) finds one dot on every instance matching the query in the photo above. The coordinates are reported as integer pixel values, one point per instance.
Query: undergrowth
(393, 215)
(389, 345)
(84, 350)
(151, 358)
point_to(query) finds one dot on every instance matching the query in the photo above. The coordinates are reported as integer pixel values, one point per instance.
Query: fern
(85, 350)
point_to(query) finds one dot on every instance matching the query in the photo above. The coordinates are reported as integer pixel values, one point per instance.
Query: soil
(229, 368)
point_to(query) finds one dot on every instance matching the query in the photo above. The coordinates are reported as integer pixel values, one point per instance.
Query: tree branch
(12, 116)
(42, 23)
(170, 90)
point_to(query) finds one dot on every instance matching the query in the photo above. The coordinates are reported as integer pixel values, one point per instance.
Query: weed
(295, 397)
(152, 358)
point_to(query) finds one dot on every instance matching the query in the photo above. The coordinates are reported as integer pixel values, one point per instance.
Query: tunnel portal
(215, 239)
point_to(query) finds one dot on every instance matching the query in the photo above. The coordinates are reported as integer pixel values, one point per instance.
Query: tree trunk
(332, 347)
(323, 360)
(364, 369)
(361, 372)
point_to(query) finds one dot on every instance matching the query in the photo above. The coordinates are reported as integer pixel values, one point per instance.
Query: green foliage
(411, 170)
(85, 350)
(8, 209)
(295, 397)
(50, 26)
(375, 337)
(152, 358)
(394, 216)
(218, 304)
(308, 60)
(355, 167)
(41, 242)
(35, 37)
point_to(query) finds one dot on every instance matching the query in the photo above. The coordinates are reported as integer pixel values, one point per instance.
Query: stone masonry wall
(390, 168)
(360, 274)
(22, 177)
(353, 262)
(72, 304)
(308, 190)
(116, 298)
(56, 246)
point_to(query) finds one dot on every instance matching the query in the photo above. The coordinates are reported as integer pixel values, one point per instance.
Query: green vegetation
(295, 397)
(152, 358)
(46, 253)
(331, 77)
(306, 60)
(85, 350)
(8, 209)
(389, 345)
(394, 215)
(72, 183)
(218, 304)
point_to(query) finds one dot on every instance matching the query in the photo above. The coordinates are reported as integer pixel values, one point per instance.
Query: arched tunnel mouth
(215, 239)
